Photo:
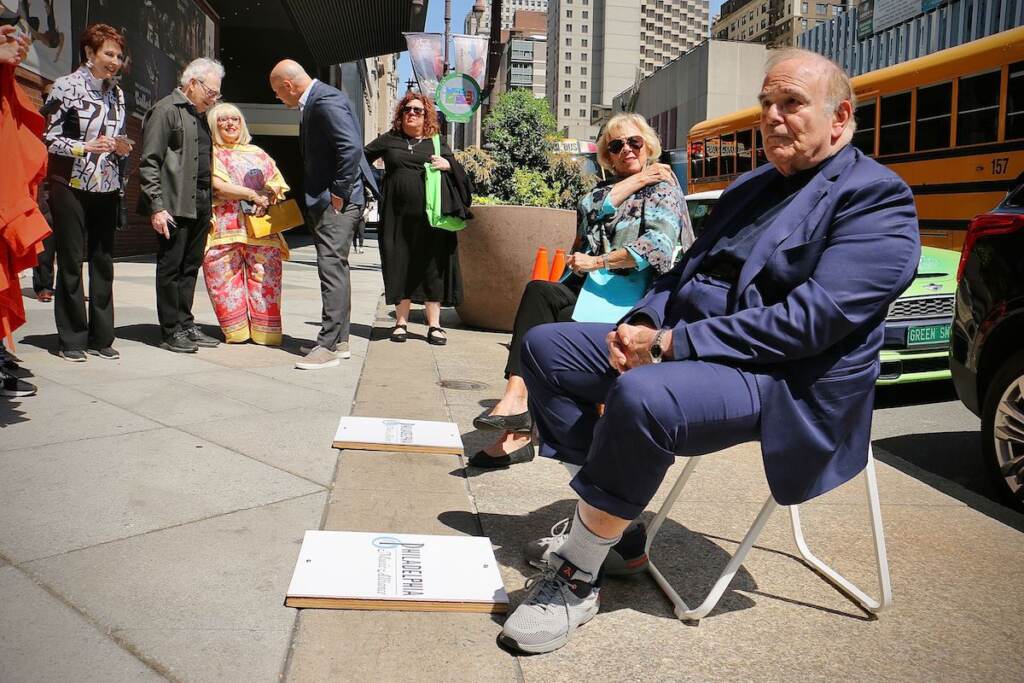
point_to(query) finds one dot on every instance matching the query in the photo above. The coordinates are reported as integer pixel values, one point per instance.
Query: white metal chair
(685, 613)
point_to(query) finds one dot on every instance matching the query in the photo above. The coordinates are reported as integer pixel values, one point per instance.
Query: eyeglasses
(229, 119)
(635, 142)
(418, 111)
(210, 92)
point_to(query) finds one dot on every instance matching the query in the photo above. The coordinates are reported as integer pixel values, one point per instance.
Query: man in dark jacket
(338, 180)
(174, 172)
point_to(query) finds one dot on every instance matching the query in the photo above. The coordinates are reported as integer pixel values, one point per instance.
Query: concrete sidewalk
(152, 510)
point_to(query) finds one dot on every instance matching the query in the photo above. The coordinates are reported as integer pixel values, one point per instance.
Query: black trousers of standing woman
(83, 223)
(542, 302)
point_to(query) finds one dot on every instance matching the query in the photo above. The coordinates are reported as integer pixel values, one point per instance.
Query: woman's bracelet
(604, 261)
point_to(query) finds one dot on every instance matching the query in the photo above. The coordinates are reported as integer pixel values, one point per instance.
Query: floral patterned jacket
(650, 224)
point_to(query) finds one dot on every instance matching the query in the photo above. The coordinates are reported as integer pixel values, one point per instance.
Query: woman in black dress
(420, 262)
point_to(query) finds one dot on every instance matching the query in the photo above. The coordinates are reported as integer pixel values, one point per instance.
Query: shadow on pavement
(919, 393)
(949, 462)
(689, 560)
(11, 412)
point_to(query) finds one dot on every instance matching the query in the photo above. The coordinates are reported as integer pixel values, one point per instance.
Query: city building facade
(716, 78)
(598, 48)
(886, 32)
(776, 23)
(479, 24)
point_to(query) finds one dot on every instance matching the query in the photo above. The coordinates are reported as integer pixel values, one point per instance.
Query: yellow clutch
(279, 217)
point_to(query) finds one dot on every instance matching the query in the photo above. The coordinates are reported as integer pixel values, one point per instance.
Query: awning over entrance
(337, 31)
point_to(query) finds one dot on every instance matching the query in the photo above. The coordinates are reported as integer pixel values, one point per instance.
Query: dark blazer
(332, 150)
(169, 166)
(807, 313)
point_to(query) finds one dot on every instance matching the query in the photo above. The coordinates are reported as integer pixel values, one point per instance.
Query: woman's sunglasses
(413, 110)
(635, 142)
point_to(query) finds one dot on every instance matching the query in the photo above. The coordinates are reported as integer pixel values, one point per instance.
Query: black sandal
(397, 336)
(436, 339)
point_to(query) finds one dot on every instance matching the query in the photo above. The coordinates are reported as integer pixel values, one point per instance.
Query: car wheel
(1002, 429)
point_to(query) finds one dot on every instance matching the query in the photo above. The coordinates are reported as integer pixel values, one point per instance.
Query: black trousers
(83, 223)
(359, 233)
(42, 274)
(178, 261)
(542, 302)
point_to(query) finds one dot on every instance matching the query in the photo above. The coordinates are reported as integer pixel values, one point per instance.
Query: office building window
(803, 8)
(583, 84)
(586, 14)
(583, 42)
(568, 27)
(568, 70)
(568, 55)
(583, 99)
(819, 9)
(584, 29)
(567, 97)
(568, 84)
(568, 14)
(565, 112)
(568, 42)
(583, 113)
(583, 71)
(583, 56)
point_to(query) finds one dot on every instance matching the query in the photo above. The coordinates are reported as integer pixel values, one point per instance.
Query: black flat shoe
(520, 424)
(484, 461)
(397, 336)
(436, 336)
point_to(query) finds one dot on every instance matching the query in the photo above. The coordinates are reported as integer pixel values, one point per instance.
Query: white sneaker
(318, 358)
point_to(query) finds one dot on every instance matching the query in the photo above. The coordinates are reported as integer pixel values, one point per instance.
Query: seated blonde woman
(242, 272)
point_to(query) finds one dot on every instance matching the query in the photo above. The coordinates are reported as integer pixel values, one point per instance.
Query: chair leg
(852, 591)
(682, 610)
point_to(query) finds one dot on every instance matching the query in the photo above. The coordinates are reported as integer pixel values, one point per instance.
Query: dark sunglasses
(635, 142)
(413, 110)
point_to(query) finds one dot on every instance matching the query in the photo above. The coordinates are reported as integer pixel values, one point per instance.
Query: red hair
(430, 123)
(95, 35)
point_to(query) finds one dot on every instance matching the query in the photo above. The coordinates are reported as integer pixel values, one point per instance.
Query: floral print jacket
(650, 224)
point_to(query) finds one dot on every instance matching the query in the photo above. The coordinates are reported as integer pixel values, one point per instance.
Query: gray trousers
(333, 235)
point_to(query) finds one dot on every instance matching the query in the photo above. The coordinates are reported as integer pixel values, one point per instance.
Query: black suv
(987, 345)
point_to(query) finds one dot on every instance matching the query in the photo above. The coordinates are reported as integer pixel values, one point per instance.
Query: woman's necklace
(409, 142)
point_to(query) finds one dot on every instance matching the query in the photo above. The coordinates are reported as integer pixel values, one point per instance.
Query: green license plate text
(927, 334)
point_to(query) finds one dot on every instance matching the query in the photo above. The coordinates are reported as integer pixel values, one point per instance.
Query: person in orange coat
(22, 226)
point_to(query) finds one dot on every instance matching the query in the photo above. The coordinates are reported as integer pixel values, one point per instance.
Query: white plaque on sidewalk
(394, 434)
(384, 571)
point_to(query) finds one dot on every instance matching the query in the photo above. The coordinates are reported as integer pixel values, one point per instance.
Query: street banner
(458, 96)
(54, 50)
(471, 56)
(426, 53)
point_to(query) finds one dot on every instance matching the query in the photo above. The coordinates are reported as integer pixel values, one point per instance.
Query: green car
(916, 346)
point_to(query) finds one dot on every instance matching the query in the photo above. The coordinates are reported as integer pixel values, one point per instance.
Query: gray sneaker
(626, 557)
(343, 351)
(560, 600)
(317, 359)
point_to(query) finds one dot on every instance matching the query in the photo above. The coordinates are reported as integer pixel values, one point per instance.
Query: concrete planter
(496, 253)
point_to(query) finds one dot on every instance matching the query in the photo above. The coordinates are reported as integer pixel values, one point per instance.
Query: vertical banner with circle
(458, 96)
(471, 56)
(426, 53)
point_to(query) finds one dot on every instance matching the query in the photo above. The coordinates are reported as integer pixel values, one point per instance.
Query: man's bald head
(289, 81)
(837, 83)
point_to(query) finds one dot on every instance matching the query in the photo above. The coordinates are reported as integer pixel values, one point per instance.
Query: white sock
(584, 548)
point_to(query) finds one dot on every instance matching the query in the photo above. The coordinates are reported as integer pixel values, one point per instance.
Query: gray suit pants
(333, 235)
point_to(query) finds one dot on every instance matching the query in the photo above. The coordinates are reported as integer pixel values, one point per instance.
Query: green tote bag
(433, 191)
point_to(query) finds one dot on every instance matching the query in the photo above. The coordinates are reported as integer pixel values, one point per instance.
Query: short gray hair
(199, 68)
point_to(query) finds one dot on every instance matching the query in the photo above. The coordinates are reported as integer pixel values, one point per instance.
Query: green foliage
(479, 167)
(520, 167)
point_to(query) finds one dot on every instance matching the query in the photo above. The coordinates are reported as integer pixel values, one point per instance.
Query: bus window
(727, 164)
(696, 160)
(894, 136)
(743, 161)
(934, 105)
(1015, 102)
(977, 109)
(864, 138)
(759, 147)
(710, 157)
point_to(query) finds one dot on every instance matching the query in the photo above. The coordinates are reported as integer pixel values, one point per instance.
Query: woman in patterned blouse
(633, 222)
(88, 146)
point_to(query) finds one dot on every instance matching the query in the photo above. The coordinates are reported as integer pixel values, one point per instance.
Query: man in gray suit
(337, 181)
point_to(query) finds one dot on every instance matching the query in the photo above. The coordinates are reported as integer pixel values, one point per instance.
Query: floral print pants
(244, 282)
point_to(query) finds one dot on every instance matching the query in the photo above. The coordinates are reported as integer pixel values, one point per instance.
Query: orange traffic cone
(557, 266)
(540, 265)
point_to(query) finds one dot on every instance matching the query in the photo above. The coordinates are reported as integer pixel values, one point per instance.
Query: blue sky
(435, 23)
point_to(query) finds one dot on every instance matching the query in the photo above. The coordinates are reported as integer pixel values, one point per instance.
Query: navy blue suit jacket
(807, 313)
(332, 150)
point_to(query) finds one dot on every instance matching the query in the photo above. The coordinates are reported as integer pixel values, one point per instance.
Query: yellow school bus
(951, 124)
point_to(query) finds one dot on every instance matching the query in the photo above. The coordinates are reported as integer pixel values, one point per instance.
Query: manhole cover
(462, 385)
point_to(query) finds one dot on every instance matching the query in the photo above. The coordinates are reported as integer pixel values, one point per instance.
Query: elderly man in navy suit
(768, 329)
(337, 181)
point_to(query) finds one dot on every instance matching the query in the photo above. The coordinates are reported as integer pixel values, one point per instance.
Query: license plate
(927, 334)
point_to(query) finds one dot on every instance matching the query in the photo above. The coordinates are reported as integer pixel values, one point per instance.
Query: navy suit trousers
(653, 413)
